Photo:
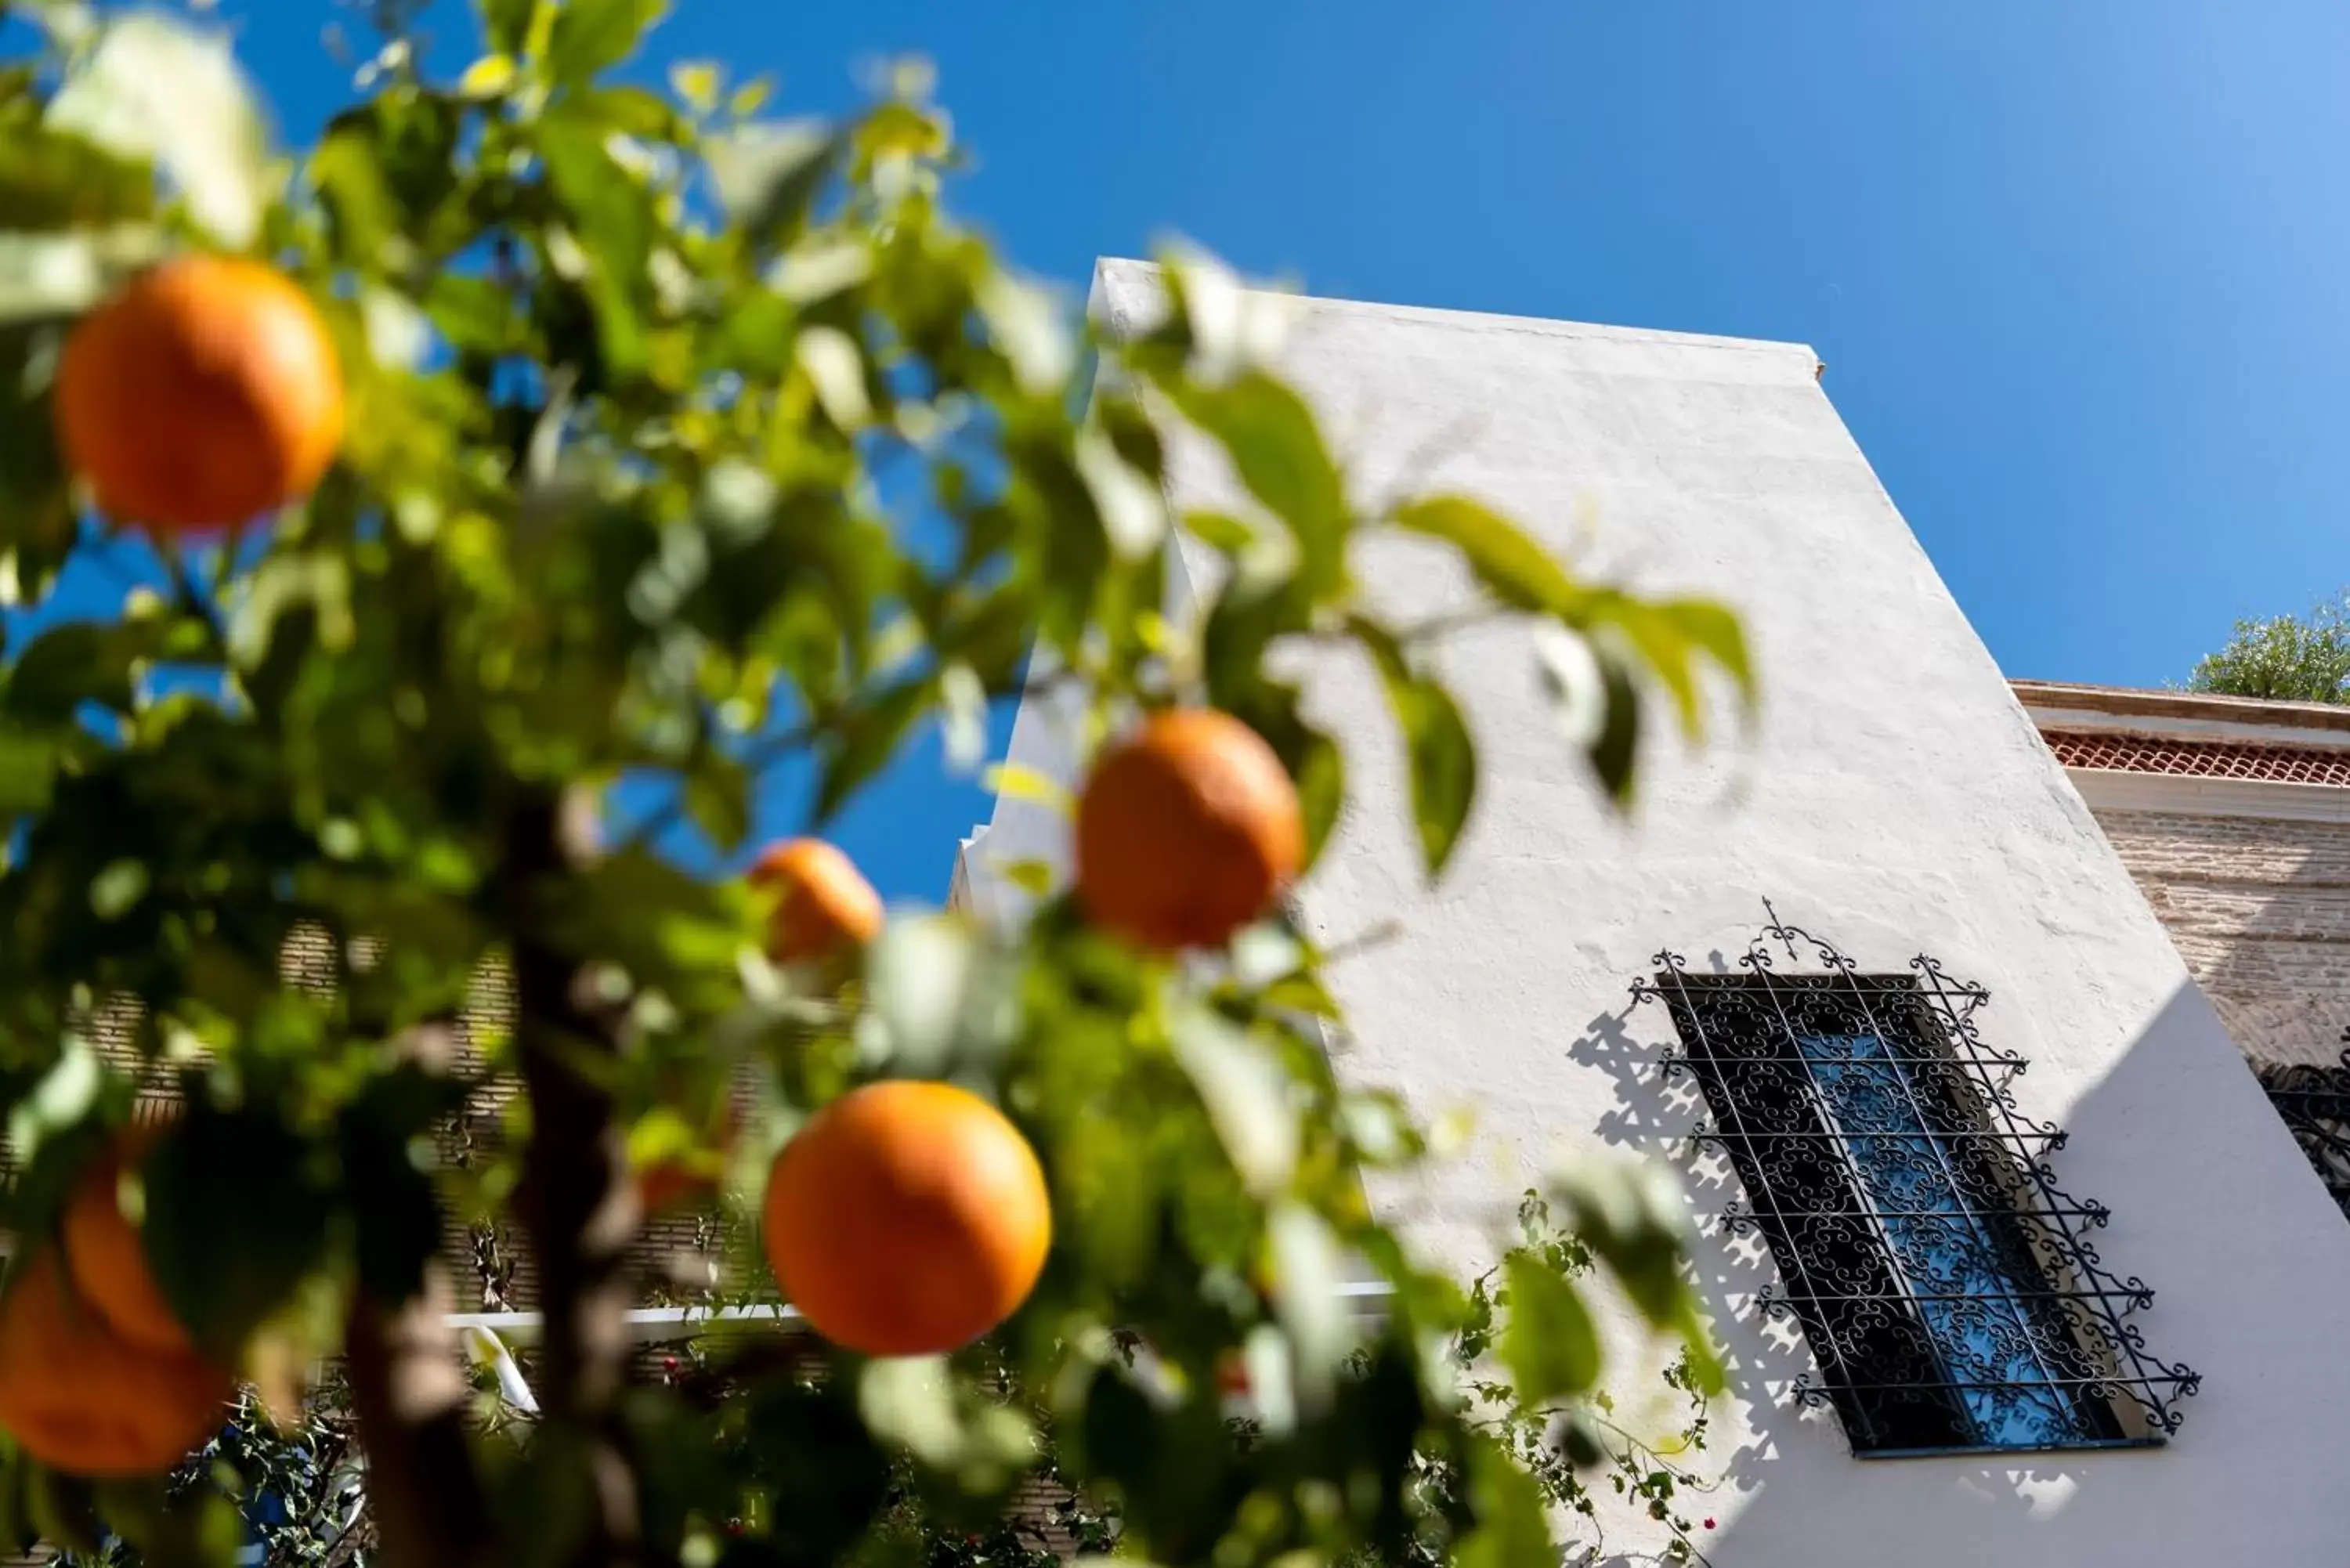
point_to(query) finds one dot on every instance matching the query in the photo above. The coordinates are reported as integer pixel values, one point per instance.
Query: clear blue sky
(2080, 271)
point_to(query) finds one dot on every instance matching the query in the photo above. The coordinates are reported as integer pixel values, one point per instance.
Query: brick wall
(2261, 911)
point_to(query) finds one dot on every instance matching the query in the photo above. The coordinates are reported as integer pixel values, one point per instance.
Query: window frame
(1909, 1372)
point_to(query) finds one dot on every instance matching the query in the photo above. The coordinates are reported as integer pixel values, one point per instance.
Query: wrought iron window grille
(1945, 1283)
(2315, 1102)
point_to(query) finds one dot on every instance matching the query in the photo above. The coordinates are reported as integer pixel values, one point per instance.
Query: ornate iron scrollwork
(1946, 1285)
(2315, 1102)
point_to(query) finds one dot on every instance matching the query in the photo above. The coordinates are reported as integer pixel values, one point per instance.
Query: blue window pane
(2000, 1330)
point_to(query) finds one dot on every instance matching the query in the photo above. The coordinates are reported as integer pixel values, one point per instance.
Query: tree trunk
(578, 1205)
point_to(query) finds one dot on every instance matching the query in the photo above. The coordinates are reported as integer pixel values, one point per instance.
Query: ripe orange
(827, 906)
(1187, 830)
(84, 1400)
(204, 393)
(104, 1254)
(907, 1218)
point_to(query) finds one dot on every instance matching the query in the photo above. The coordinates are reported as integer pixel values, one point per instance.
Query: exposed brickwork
(2199, 759)
(2261, 911)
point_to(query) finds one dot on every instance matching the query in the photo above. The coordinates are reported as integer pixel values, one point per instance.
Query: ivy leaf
(1550, 1343)
(1511, 567)
(1443, 759)
(592, 36)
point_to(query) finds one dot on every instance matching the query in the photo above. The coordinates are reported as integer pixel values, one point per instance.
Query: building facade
(2233, 815)
(1975, 1313)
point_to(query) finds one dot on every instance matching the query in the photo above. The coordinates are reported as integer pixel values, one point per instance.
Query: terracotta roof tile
(2200, 759)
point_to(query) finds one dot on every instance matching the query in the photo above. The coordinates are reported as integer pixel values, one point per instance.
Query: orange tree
(539, 429)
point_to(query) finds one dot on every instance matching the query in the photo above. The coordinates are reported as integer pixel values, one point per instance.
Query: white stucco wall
(1895, 800)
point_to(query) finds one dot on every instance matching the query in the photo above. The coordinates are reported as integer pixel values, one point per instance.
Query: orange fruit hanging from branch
(1187, 830)
(204, 394)
(82, 1399)
(824, 907)
(106, 1259)
(907, 1218)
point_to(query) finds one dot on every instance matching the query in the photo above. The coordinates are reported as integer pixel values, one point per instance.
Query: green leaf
(66, 666)
(1443, 759)
(1550, 1343)
(1511, 567)
(398, 1215)
(28, 771)
(389, 167)
(698, 82)
(1025, 784)
(1034, 877)
(1303, 1261)
(616, 225)
(1666, 635)
(490, 77)
(1246, 1092)
(592, 36)
(768, 175)
(356, 194)
(156, 88)
(235, 1219)
(1715, 628)
(506, 22)
(53, 180)
(1320, 770)
(1276, 448)
(38, 527)
(119, 886)
(66, 1096)
(1512, 1527)
(718, 799)
(940, 999)
(1630, 1213)
(45, 277)
(1614, 752)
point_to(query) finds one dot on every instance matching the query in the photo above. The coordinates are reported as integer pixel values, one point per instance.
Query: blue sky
(2080, 272)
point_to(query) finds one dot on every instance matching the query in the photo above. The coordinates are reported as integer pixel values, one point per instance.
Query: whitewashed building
(1978, 1314)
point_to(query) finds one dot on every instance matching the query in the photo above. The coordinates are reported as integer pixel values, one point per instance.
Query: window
(1944, 1284)
(2316, 1105)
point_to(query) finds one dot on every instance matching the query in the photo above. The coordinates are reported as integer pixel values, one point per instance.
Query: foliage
(685, 440)
(2289, 658)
